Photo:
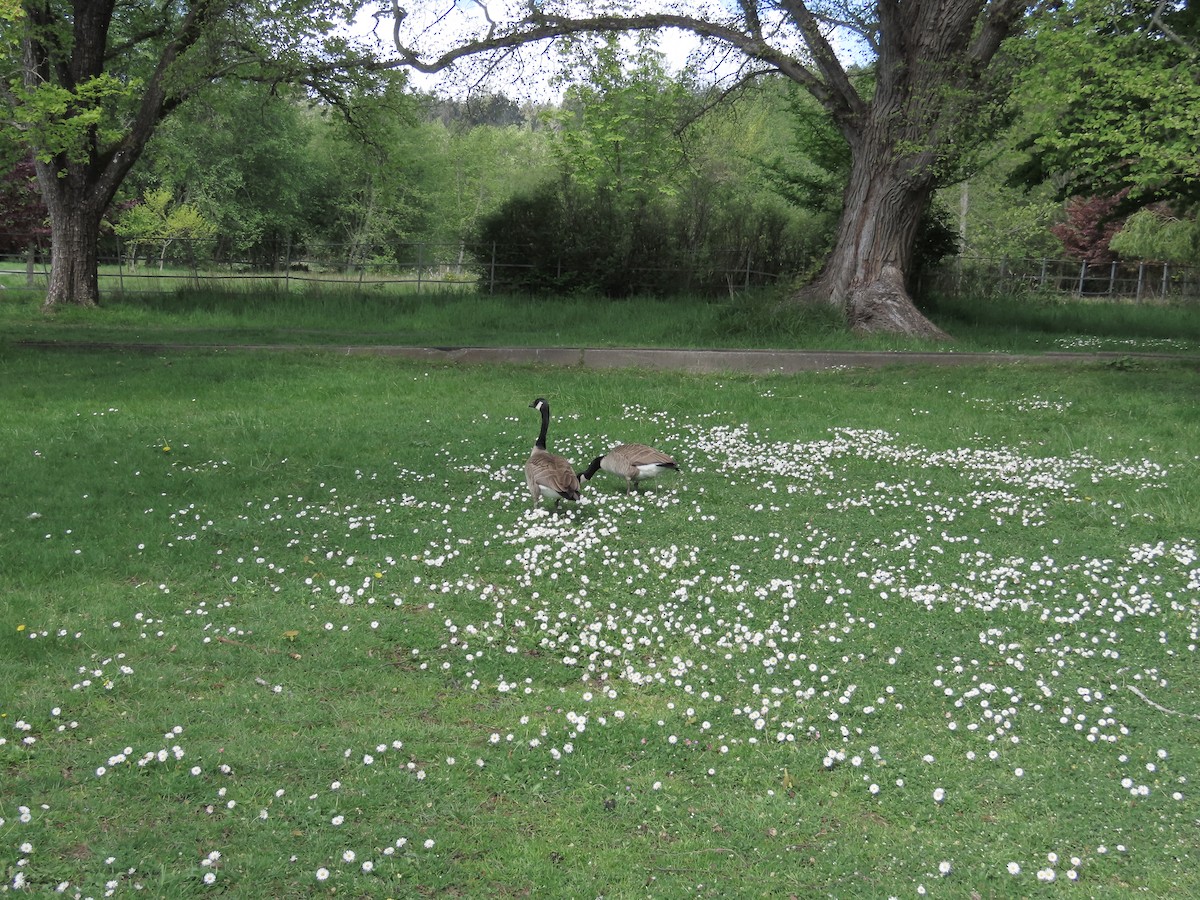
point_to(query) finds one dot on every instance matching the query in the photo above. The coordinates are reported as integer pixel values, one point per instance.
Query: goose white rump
(633, 462)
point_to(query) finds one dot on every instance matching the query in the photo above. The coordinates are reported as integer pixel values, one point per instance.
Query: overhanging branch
(1157, 19)
(539, 26)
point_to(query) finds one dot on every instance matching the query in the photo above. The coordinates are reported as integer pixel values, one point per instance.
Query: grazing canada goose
(547, 474)
(632, 462)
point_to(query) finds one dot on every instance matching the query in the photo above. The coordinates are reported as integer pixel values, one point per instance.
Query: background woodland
(1090, 158)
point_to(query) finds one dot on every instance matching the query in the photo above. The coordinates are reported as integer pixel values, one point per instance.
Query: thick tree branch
(999, 24)
(834, 90)
(1157, 19)
(538, 26)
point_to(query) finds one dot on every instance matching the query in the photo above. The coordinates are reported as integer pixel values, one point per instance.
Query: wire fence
(1115, 279)
(163, 267)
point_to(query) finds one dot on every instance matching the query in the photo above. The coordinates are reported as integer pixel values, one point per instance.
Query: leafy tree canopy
(1155, 235)
(618, 127)
(88, 83)
(1112, 100)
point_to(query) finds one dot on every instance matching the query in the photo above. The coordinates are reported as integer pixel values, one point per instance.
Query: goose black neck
(541, 441)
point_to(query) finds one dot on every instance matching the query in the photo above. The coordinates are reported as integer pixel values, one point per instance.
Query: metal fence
(1117, 279)
(152, 268)
(158, 268)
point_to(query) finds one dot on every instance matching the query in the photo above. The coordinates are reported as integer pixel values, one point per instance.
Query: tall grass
(455, 318)
(285, 626)
(1052, 320)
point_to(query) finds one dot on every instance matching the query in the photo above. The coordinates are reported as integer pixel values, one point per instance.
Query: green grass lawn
(286, 626)
(454, 318)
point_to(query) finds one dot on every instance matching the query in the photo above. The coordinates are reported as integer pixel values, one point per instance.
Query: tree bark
(865, 274)
(929, 77)
(74, 241)
(79, 181)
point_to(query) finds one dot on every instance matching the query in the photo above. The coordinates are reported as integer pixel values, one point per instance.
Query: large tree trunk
(865, 274)
(929, 80)
(74, 241)
(80, 169)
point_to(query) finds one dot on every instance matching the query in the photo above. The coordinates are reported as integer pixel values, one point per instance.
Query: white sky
(437, 25)
(533, 82)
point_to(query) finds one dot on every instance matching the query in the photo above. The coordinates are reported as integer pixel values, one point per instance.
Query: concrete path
(750, 361)
(697, 361)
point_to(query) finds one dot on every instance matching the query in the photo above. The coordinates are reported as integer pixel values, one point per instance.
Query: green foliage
(564, 239)
(1111, 104)
(650, 198)
(245, 157)
(607, 220)
(282, 175)
(618, 127)
(56, 119)
(368, 170)
(91, 84)
(467, 171)
(159, 220)
(1103, 103)
(811, 168)
(1003, 219)
(1155, 235)
(937, 239)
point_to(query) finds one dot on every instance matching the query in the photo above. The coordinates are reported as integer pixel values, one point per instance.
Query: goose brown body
(547, 474)
(632, 462)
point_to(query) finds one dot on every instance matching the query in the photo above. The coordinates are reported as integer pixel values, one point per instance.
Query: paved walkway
(752, 361)
(698, 361)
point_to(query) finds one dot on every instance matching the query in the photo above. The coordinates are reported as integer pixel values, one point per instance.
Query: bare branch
(836, 92)
(538, 26)
(1157, 20)
(719, 97)
(488, 16)
(750, 11)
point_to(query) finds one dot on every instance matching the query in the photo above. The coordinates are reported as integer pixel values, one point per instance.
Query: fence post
(1083, 267)
(1112, 277)
(749, 257)
(120, 267)
(1141, 280)
(1042, 276)
(492, 271)
(1165, 280)
(191, 243)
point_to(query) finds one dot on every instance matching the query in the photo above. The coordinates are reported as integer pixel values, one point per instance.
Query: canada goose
(632, 462)
(547, 474)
